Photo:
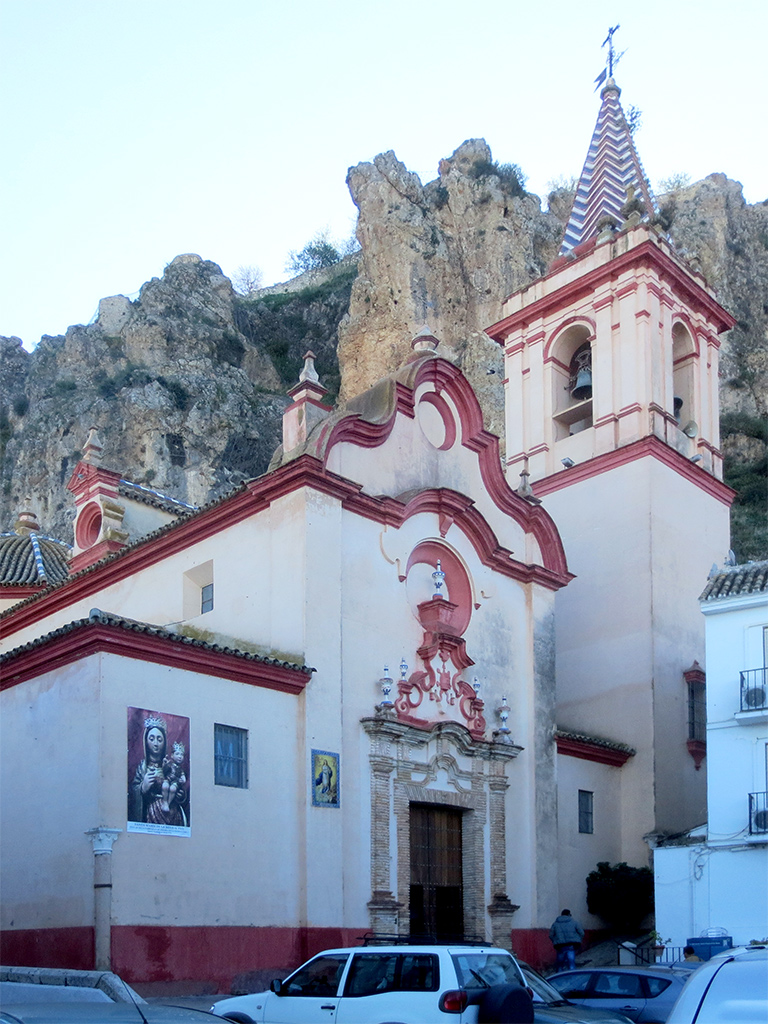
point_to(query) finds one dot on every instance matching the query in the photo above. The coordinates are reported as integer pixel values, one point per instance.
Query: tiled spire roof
(612, 167)
(27, 558)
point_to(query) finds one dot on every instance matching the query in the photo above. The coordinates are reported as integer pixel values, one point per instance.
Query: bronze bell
(582, 389)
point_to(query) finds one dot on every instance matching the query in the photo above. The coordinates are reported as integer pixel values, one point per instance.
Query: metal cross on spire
(613, 57)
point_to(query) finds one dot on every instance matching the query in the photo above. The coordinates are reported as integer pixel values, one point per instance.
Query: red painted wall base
(533, 945)
(204, 954)
(48, 947)
(218, 955)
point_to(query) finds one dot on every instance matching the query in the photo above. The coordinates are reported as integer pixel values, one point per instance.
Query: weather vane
(613, 57)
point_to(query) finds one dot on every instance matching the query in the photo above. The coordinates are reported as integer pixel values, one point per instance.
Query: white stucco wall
(723, 882)
(702, 887)
(50, 745)
(307, 580)
(579, 853)
(640, 540)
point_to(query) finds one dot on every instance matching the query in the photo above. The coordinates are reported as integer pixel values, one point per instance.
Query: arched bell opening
(572, 380)
(683, 364)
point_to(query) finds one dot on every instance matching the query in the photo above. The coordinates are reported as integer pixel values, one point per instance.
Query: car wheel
(239, 1018)
(505, 1004)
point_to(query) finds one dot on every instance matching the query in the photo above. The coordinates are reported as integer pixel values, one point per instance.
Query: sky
(136, 130)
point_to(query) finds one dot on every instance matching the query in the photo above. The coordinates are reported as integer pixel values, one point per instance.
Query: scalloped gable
(387, 418)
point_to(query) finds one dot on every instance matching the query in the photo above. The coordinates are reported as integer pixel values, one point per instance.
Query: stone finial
(93, 448)
(306, 409)
(424, 341)
(309, 372)
(26, 522)
(634, 209)
(607, 227)
(524, 488)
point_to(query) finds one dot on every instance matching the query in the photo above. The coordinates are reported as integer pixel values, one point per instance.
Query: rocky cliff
(187, 384)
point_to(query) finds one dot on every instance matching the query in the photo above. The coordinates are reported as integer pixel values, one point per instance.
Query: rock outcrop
(444, 254)
(187, 384)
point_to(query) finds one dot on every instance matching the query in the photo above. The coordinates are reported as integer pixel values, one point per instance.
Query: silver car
(549, 1007)
(644, 994)
(728, 989)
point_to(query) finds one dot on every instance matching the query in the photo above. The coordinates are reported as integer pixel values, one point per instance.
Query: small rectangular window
(230, 747)
(206, 598)
(586, 816)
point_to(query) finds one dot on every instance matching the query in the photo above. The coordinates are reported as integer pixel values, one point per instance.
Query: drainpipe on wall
(102, 839)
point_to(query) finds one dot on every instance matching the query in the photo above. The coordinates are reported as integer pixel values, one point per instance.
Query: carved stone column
(500, 908)
(383, 908)
(102, 839)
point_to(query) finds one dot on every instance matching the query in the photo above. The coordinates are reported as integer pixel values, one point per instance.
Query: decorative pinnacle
(524, 488)
(439, 577)
(26, 522)
(93, 448)
(309, 372)
(503, 712)
(386, 688)
(424, 341)
(403, 669)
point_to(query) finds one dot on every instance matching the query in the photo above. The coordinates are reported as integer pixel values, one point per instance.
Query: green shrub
(510, 176)
(621, 895)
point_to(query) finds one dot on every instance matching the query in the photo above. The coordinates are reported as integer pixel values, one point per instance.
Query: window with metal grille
(586, 811)
(697, 710)
(206, 598)
(230, 747)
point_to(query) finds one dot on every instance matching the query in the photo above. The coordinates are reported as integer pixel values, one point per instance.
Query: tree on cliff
(321, 251)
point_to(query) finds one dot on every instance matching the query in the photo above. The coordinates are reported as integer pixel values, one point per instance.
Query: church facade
(391, 685)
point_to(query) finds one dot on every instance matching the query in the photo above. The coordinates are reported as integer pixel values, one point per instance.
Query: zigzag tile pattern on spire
(611, 168)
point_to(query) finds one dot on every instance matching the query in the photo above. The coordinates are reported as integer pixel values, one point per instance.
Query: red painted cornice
(310, 471)
(587, 751)
(651, 447)
(70, 645)
(86, 477)
(257, 495)
(13, 592)
(645, 254)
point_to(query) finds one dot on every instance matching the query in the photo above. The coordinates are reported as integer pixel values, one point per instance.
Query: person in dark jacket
(566, 935)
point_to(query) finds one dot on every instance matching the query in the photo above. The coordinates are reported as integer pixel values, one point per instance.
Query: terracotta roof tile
(736, 581)
(120, 622)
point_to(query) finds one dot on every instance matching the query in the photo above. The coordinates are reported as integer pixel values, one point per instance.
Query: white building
(527, 724)
(716, 876)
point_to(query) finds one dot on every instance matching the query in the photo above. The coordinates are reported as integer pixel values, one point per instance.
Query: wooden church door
(436, 892)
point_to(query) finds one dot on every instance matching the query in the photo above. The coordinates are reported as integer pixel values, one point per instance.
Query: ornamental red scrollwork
(444, 692)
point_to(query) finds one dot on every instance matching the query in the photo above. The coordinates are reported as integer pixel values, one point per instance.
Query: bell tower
(611, 377)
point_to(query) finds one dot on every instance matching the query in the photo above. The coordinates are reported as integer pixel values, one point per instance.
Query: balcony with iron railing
(758, 814)
(754, 691)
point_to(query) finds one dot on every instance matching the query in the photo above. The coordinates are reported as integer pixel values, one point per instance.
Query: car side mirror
(276, 986)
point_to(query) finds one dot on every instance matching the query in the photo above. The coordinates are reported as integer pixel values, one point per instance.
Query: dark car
(97, 1012)
(549, 1007)
(644, 994)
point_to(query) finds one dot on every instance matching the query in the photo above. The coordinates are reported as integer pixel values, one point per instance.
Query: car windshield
(481, 970)
(543, 992)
